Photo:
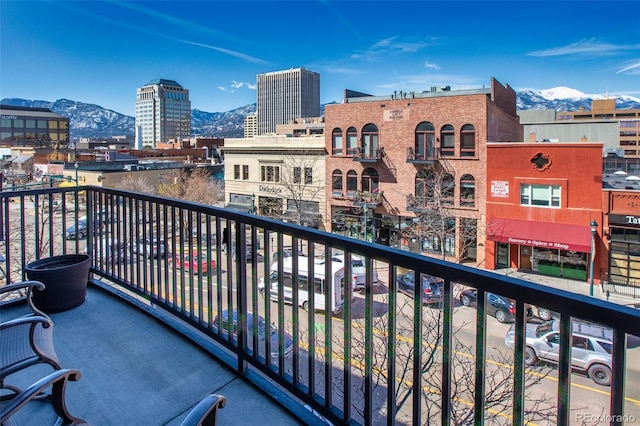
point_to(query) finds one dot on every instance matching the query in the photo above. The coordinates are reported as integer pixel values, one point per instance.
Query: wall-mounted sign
(270, 189)
(500, 188)
(624, 219)
(393, 114)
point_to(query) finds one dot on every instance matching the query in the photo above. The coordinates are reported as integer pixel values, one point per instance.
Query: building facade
(163, 112)
(251, 125)
(621, 228)
(286, 95)
(541, 201)
(605, 109)
(277, 176)
(32, 127)
(408, 170)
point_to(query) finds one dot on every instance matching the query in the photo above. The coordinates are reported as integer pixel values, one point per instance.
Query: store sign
(393, 114)
(624, 219)
(538, 243)
(270, 189)
(500, 188)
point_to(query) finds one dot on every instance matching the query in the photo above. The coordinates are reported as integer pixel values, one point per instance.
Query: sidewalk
(573, 286)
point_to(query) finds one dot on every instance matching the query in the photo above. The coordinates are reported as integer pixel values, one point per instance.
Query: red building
(384, 153)
(541, 200)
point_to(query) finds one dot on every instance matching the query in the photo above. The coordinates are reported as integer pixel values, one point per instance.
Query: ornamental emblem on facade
(540, 162)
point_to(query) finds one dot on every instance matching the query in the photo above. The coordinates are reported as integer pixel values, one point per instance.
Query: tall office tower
(163, 112)
(287, 95)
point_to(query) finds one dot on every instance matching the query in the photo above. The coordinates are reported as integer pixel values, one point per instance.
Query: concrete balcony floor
(136, 371)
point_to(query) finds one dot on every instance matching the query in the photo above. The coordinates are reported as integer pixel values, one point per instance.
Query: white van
(333, 285)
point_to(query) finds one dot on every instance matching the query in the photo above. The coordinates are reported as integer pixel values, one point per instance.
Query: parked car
(590, 347)
(500, 307)
(358, 270)
(230, 325)
(432, 287)
(546, 314)
(153, 247)
(71, 233)
(194, 261)
(247, 249)
(111, 250)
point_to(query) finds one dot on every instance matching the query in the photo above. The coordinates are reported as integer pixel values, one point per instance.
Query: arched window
(468, 141)
(425, 141)
(336, 142)
(369, 140)
(447, 190)
(467, 191)
(336, 183)
(352, 183)
(447, 141)
(424, 187)
(370, 180)
(352, 141)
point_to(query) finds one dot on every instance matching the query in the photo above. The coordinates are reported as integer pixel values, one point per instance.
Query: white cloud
(391, 46)
(237, 85)
(633, 69)
(431, 66)
(584, 46)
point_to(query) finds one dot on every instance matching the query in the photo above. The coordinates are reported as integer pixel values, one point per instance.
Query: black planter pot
(65, 278)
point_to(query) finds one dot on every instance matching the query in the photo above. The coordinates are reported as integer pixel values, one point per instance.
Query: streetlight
(594, 229)
(365, 208)
(75, 166)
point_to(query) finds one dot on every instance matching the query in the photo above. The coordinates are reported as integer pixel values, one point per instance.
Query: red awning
(562, 236)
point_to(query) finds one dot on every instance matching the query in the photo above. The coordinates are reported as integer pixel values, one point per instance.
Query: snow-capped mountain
(93, 121)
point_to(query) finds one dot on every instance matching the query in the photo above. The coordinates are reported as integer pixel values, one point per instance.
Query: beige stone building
(277, 176)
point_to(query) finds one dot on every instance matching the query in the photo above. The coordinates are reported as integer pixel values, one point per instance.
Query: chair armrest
(58, 380)
(205, 412)
(29, 286)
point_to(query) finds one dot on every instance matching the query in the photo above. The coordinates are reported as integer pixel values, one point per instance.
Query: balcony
(148, 347)
(369, 155)
(370, 199)
(414, 157)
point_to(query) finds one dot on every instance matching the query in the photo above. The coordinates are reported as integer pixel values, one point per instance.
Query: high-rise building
(286, 95)
(250, 125)
(163, 112)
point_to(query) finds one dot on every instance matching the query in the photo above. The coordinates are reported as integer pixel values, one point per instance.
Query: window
(352, 141)
(245, 172)
(424, 187)
(336, 138)
(336, 183)
(352, 183)
(236, 171)
(468, 141)
(447, 141)
(447, 189)
(370, 180)
(270, 173)
(540, 195)
(467, 191)
(370, 140)
(308, 175)
(425, 145)
(297, 175)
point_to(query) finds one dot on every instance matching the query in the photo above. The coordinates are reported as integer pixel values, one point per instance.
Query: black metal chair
(27, 339)
(57, 381)
(206, 411)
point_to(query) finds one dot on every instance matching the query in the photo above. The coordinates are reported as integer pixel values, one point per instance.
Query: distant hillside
(93, 121)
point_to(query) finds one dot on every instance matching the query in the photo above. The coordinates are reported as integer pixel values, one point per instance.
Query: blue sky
(100, 52)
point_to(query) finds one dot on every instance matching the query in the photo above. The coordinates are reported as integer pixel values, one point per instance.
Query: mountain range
(93, 121)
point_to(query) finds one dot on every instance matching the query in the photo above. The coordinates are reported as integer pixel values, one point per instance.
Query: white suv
(590, 351)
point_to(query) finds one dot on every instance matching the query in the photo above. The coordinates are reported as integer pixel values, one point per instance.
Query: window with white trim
(540, 195)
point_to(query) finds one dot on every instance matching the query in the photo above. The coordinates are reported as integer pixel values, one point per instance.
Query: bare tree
(137, 184)
(302, 183)
(499, 378)
(194, 185)
(440, 227)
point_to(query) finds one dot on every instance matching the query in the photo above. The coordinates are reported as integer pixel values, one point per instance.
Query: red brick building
(621, 227)
(390, 158)
(540, 201)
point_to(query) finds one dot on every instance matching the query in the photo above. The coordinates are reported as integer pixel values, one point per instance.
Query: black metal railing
(382, 356)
